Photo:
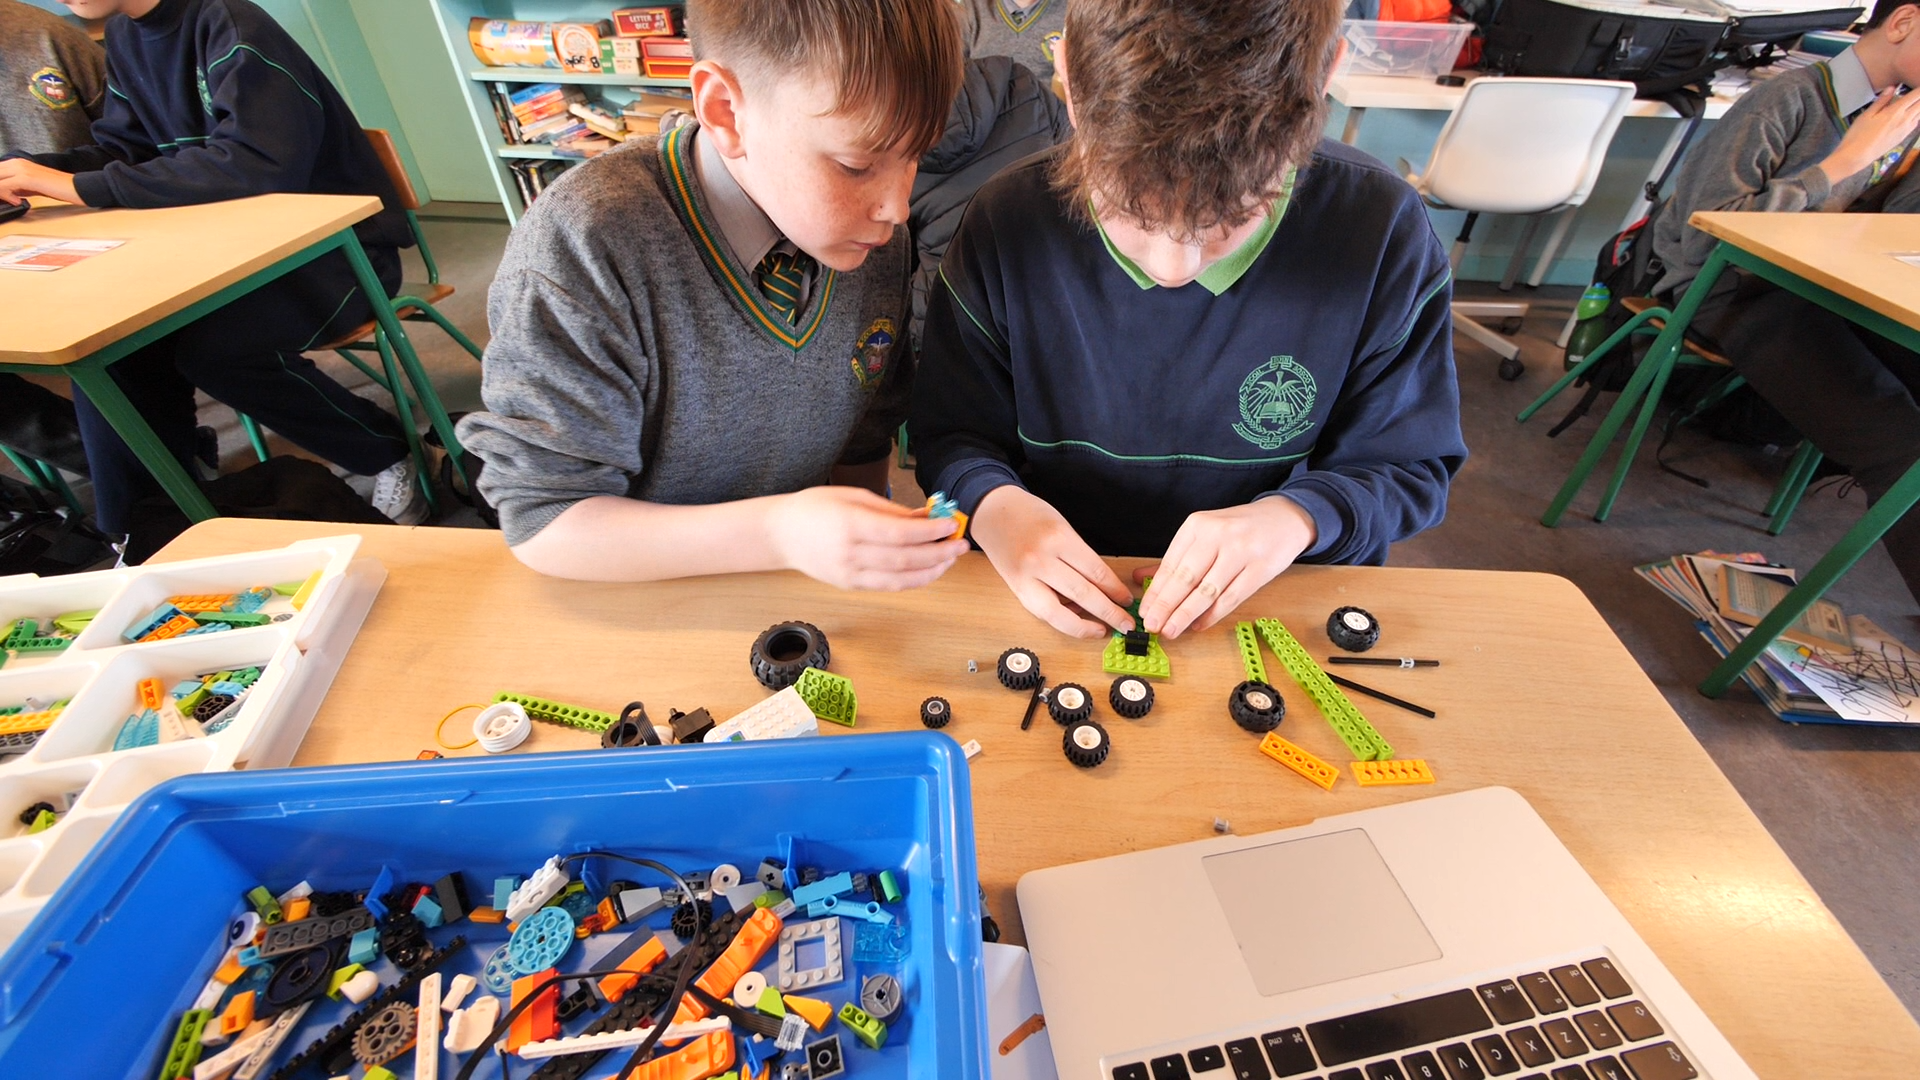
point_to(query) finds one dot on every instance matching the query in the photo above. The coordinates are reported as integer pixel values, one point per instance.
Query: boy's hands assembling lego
(855, 539)
(1218, 559)
(20, 178)
(1048, 566)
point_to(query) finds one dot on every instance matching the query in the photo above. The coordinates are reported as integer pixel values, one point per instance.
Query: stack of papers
(1829, 668)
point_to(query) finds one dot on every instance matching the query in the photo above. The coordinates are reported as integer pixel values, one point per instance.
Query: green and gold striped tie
(779, 277)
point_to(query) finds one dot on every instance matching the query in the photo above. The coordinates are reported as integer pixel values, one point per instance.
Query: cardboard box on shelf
(577, 44)
(647, 22)
(667, 58)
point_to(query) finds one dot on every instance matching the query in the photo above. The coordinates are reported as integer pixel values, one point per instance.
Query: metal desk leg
(1352, 130)
(91, 376)
(1867, 532)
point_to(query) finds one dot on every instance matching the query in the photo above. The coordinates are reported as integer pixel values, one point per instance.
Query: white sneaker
(396, 493)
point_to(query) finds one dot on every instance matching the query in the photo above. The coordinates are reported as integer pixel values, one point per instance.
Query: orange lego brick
(151, 693)
(817, 1014)
(609, 918)
(487, 915)
(230, 969)
(239, 1014)
(297, 908)
(1300, 761)
(538, 1021)
(172, 628)
(25, 723)
(643, 960)
(709, 1055)
(749, 946)
(1392, 771)
(202, 603)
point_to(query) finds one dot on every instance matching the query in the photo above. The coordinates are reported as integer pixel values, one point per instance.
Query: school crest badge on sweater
(870, 356)
(50, 87)
(1276, 403)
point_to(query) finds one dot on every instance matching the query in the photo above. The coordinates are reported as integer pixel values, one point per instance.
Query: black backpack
(1628, 268)
(38, 537)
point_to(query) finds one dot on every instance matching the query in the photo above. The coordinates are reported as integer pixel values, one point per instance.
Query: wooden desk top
(1852, 254)
(1402, 92)
(1534, 693)
(171, 259)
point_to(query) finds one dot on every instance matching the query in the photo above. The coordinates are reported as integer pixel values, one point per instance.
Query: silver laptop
(1450, 938)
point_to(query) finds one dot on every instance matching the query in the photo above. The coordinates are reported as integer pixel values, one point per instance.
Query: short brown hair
(1189, 113)
(897, 62)
(1880, 13)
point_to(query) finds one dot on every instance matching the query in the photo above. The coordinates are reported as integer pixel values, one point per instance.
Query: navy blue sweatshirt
(1323, 373)
(210, 100)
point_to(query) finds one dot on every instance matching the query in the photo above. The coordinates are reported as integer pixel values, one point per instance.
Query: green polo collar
(1222, 275)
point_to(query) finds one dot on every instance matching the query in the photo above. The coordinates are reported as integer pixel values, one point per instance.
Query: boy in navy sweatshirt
(1195, 331)
(210, 100)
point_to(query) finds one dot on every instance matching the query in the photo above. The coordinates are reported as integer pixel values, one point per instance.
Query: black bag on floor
(1628, 268)
(38, 537)
(282, 488)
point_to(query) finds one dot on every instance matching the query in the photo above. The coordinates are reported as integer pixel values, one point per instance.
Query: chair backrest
(1524, 146)
(390, 160)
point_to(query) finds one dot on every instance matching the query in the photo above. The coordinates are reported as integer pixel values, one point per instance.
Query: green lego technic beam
(552, 712)
(1243, 636)
(1353, 728)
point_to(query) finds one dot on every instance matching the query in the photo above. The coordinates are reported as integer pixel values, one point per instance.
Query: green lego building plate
(830, 696)
(1354, 730)
(1155, 665)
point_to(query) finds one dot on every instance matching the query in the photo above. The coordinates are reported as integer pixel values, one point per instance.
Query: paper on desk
(1910, 258)
(1877, 681)
(1013, 998)
(45, 254)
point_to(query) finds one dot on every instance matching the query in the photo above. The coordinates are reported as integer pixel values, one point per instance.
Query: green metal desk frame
(89, 373)
(1883, 515)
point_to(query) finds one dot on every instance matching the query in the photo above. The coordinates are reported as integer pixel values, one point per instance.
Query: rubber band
(442, 726)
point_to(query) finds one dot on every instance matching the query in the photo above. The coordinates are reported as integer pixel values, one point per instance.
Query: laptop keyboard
(1575, 1022)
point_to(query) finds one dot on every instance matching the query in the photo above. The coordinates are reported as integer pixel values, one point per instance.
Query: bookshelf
(478, 80)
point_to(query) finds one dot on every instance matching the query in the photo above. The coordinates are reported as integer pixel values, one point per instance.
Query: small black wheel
(1131, 696)
(690, 918)
(1019, 669)
(784, 650)
(1353, 629)
(1511, 368)
(211, 706)
(935, 712)
(1069, 703)
(1086, 744)
(1256, 707)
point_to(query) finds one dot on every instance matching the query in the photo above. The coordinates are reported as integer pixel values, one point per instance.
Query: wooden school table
(1534, 692)
(176, 265)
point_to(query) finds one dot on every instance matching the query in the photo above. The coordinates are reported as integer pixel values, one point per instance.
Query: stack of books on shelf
(1827, 667)
(647, 113)
(541, 113)
(532, 177)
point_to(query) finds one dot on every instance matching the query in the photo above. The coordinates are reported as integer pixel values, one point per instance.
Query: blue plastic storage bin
(96, 984)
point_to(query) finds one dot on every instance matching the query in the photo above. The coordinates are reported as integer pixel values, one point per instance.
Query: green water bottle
(1589, 329)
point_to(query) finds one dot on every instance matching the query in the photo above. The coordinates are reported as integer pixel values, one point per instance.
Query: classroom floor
(1840, 800)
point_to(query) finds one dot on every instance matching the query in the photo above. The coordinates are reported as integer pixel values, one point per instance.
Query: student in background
(1196, 331)
(1026, 30)
(53, 86)
(1834, 137)
(211, 100)
(699, 347)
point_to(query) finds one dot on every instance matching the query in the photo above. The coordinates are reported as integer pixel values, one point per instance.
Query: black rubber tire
(1353, 629)
(1086, 743)
(784, 650)
(1511, 368)
(936, 712)
(1019, 669)
(1077, 706)
(1256, 707)
(1130, 696)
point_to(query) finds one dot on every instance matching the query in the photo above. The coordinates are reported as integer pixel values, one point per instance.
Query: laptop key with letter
(1565, 1039)
(1385, 1070)
(1460, 1064)
(1607, 1068)
(1421, 1066)
(1243, 1057)
(1495, 1055)
(1530, 1047)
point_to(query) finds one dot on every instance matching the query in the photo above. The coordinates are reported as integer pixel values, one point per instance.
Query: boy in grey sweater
(1833, 137)
(694, 334)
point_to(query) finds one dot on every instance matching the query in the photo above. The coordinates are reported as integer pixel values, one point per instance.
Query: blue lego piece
(941, 505)
(141, 729)
(364, 947)
(227, 687)
(838, 885)
(184, 687)
(503, 890)
(427, 912)
(151, 623)
(540, 941)
(880, 943)
(869, 911)
(206, 628)
(382, 884)
(249, 956)
(249, 602)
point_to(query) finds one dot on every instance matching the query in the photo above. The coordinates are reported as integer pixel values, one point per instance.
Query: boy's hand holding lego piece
(1218, 559)
(1876, 132)
(1047, 565)
(20, 178)
(855, 539)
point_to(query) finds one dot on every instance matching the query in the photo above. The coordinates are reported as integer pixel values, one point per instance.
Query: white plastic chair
(1518, 146)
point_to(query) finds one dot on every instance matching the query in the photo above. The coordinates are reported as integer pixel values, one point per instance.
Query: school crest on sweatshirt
(870, 356)
(50, 87)
(1276, 403)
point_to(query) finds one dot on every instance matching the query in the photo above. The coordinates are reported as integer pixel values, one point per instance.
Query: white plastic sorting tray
(74, 766)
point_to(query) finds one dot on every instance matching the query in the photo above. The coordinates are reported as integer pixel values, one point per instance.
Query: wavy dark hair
(1190, 113)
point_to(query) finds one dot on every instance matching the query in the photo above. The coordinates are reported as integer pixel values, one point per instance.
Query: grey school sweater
(632, 355)
(53, 81)
(999, 28)
(1764, 155)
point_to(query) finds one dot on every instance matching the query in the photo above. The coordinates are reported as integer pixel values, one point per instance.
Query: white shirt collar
(1852, 90)
(747, 229)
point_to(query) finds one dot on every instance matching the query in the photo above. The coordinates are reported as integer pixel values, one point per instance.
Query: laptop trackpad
(1318, 910)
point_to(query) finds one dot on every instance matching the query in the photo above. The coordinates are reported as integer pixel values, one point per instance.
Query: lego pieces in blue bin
(427, 912)
(824, 1059)
(869, 1030)
(880, 943)
(497, 975)
(638, 903)
(503, 890)
(450, 894)
(540, 941)
(533, 894)
(838, 885)
(382, 882)
(882, 998)
(364, 946)
(852, 909)
(810, 955)
(793, 1032)
(327, 1051)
